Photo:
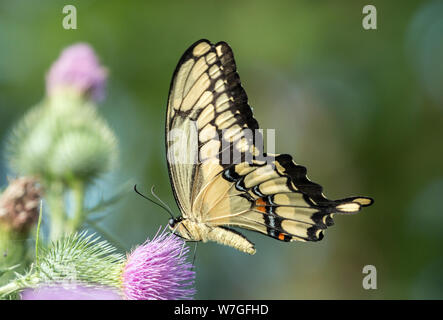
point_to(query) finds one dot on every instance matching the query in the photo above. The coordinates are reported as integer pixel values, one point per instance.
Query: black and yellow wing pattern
(220, 176)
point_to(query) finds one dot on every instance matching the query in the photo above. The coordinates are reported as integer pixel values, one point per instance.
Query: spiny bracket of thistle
(75, 258)
(82, 258)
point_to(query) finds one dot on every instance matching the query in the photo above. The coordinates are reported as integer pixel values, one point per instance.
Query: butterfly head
(178, 227)
(173, 222)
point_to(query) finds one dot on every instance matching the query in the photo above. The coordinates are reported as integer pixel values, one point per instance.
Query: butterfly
(220, 175)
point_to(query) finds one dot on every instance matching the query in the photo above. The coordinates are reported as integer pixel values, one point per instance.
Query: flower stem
(12, 253)
(55, 198)
(18, 285)
(78, 189)
(37, 237)
(9, 288)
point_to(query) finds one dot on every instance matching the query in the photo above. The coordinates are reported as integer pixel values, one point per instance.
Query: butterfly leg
(195, 253)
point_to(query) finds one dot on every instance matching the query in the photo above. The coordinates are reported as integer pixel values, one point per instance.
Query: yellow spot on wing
(349, 207)
(201, 49)
(363, 201)
(195, 92)
(207, 133)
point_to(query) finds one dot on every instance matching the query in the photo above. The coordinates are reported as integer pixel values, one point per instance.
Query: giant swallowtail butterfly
(220, 175)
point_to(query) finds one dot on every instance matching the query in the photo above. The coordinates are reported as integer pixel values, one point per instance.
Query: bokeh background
(361, 109)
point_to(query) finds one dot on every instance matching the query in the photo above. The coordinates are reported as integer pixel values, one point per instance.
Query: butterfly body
(198, 231)
(220, 175)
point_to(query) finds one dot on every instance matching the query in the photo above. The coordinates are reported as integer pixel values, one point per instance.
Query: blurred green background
(361, 109)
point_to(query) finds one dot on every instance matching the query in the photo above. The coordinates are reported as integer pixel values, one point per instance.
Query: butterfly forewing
(206, 120)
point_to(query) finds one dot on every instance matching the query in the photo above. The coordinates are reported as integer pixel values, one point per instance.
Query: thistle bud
(19, 204)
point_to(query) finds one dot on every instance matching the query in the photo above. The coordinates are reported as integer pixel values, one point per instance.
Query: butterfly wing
(206, 103)
(276, 198)
(219, 173)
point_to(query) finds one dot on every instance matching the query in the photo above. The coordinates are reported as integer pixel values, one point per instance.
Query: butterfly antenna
(160, 200)
(164, 207)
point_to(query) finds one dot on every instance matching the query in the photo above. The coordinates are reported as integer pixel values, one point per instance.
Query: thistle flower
(157, 270)
(79, 70)
(70, 292)
(19, 204)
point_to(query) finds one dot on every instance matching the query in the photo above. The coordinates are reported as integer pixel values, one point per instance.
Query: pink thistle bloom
(69, 291)
(77, 69)
(158, 270)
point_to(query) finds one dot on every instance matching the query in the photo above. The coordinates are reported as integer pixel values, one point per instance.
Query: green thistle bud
(62, 140)
(85, 147)
(30, 142)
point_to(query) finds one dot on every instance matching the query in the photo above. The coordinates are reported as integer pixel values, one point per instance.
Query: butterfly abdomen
(197, 231)
(229, 237)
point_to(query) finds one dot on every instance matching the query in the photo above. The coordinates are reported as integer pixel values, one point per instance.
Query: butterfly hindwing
(279, 200)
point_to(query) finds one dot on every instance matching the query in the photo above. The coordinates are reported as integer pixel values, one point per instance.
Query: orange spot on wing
(260, 204)
(262, 209)
(281, 236)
